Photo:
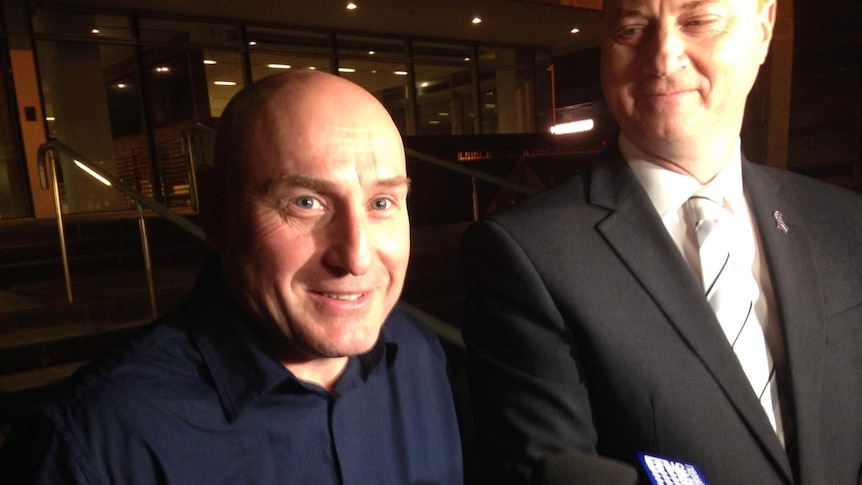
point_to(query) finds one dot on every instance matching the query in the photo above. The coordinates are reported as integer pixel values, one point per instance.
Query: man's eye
(629, 35)
(308, 203)
(381, 204)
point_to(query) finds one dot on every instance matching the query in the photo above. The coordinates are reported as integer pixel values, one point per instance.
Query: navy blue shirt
(196, 399)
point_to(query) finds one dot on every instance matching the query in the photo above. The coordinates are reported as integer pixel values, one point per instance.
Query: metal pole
(475, 200)
(65, 257)
(148, 266)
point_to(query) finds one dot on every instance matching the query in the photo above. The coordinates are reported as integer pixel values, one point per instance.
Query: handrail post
(52, 171)
(476, 210)
(192, 145)
(148, 265)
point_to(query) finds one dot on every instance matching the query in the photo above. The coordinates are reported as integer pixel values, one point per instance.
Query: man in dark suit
(589, 328)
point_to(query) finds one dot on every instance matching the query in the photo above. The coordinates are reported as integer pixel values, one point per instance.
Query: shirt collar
(241, 369)
(668, 190)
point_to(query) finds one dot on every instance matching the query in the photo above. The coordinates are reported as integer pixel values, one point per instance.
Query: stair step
(18, 382)
(41, 348)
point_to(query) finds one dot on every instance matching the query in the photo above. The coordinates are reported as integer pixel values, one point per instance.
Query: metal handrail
(48, 156)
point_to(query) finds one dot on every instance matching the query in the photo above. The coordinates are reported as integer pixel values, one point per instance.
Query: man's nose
(349, 248)
(667, 51)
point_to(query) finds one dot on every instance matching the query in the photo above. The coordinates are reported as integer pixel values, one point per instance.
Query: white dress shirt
(669, 191)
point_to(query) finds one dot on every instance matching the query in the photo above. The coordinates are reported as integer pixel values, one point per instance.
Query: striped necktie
(730, 290)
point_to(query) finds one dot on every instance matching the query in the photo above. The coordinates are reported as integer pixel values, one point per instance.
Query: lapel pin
(779, 222)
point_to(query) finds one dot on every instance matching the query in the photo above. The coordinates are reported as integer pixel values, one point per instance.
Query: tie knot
(705, 207)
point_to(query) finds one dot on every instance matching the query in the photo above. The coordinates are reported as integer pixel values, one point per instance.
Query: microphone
(579, 468)
(664, 471)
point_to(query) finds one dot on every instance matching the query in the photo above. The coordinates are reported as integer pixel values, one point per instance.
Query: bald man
(288, 363)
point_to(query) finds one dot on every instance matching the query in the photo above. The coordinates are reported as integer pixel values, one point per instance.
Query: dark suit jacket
(586, 330)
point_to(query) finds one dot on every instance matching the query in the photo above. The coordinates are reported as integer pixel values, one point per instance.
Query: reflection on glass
(444, 95)
(183, 32)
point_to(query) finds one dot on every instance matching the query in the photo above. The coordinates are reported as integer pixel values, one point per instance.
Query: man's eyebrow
(394, 182)
(320, 185)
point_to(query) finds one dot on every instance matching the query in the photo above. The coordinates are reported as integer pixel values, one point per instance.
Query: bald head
(291, 103)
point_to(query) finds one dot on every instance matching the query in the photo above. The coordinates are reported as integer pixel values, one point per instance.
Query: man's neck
(323, 372)
(699, 159)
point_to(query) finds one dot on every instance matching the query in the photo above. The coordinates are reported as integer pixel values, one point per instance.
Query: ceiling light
(224, 83)
(251, 42)
(476, 20)
(209, 62)
(162, 69)
(400, 73)
(352, 6)
(121, 85)
(49, 118)
(466, 59)
(371, 53)
(346, 69)
(312, 68)
(425, 84)
(575, 30)
(279, 66)
(94, 31)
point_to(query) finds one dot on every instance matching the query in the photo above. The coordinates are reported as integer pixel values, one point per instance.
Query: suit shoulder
(816, 193)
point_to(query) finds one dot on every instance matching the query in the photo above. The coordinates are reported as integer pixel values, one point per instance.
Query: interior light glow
(94, 31)
(371, 53)
(573, 127)
(312, 68)
(466, 59)
(400, 73)
(92, 173)
(224, 83)
(163, 69)
(442, 113)
(49, 118)
(279, 66)
(251, 42)
(121, 85)
(476, 20)
(346, 69)
(209, 62)
(352, 6)
(425, 84)
(575, 30)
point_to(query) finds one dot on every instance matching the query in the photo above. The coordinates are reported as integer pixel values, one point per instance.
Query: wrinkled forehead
(324, 140)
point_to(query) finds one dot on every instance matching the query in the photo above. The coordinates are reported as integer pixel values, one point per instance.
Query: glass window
(266, 39)
(88, 110)
(14, 191)
(438, 52)
(268, 63)
(370, 47)
(223, 79)
(507, 99)
(184, 32)
(444, 95)
(82, 25)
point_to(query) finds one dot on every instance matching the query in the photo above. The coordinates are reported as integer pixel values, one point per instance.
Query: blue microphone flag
(664, 471)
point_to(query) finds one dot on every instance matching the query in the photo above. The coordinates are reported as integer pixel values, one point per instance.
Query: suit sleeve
(528, 392)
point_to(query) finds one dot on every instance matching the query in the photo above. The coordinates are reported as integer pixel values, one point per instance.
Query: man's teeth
(344, 297)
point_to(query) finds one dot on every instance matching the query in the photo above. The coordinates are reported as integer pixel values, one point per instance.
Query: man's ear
(212, 205)
(766, 19)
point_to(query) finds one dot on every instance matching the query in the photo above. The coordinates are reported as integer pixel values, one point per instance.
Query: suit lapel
(798, 299)
(637, 234)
